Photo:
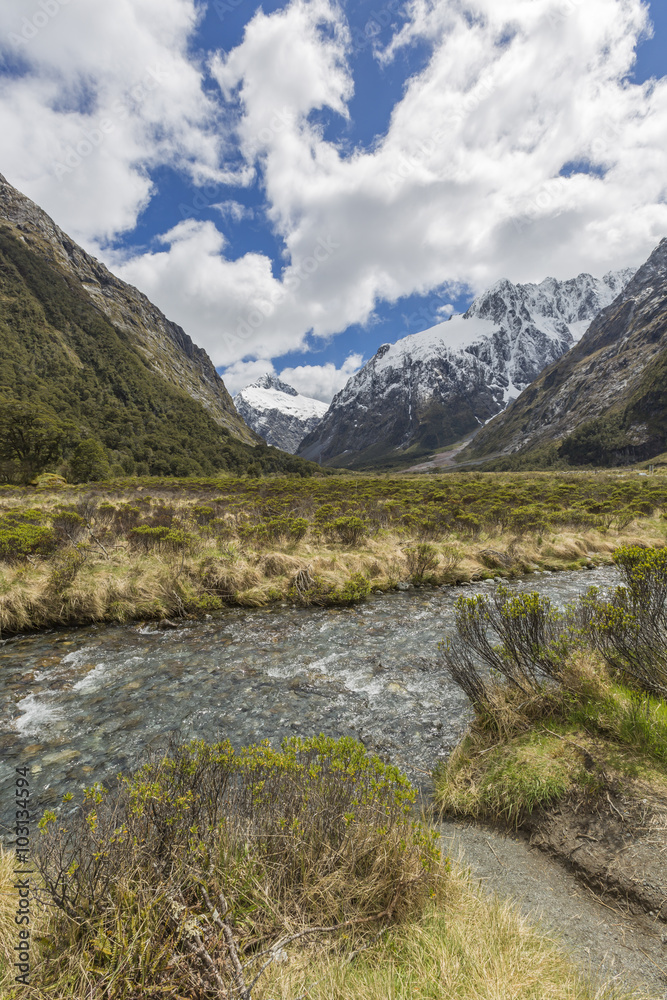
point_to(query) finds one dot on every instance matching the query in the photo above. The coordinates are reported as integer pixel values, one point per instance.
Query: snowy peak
(429, 389)
(268, 381)
(278, 413)
(566, 303)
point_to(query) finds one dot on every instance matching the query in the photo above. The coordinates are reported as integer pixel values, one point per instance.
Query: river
(80, 705)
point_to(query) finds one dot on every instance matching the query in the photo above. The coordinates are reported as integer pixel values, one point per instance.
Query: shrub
(316, 833)
(518, 636)
(68, 525)
(147, 536)
(421, 559)
(65, 570)
(630, 630)
(22, 536)
(347, 530)
(203, 515)
(355, 589)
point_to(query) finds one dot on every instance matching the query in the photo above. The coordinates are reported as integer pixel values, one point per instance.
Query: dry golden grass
(474, 948)
(109, 579)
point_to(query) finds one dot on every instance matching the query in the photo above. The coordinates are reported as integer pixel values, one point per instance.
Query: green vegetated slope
(604, 403)
(75, 387)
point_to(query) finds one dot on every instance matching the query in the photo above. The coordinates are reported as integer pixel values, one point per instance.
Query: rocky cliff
(430, 389)
(605, 401)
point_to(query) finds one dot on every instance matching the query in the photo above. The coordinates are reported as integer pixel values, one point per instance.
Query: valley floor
(159, 549)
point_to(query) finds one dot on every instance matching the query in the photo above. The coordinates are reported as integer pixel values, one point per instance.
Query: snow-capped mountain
(605, 401)
(278, 413)
(430, 389)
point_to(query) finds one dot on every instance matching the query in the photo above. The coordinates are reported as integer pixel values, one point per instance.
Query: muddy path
(607, 937)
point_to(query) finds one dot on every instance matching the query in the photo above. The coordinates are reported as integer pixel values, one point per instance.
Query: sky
(297, 183)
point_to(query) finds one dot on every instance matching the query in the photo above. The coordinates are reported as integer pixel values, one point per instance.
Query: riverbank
(203, 890)
(163, 549)
(569, 743)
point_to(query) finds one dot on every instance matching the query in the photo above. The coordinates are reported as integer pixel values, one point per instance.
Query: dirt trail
(602, 935)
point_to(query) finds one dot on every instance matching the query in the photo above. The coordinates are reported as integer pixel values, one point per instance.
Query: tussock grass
(468, 945)
(575, 699)
(170, 548)
(474, 946)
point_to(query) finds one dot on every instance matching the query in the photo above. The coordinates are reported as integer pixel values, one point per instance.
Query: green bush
(21, 535)
(316, 833)
(630, 629)
(348, 530)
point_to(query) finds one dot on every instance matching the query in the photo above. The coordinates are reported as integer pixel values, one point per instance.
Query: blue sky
(300, 182)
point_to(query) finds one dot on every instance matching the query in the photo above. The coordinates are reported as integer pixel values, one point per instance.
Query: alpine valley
(431, 389)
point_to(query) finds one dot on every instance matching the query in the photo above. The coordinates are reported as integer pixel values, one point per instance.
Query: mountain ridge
(277, 412)
(616, 374)
(168, 349)
(430, 389)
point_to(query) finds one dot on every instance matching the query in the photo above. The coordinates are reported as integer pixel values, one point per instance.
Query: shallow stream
(79, 706)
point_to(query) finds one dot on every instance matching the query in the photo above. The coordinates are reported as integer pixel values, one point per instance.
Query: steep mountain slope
(166, 347)
(606, 399)
(432, 388)
(79, 396)
(278, 413)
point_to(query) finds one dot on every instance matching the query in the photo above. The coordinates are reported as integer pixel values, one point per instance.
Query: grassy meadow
(162, 548)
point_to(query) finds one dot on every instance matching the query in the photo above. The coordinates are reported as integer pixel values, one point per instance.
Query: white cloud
(463, 188)
(234, 210)
(106, 92)
(321, 381)
(243, 373)
(317, 381)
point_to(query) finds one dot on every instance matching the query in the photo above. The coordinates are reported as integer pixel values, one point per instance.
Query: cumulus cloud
(317, 381)
(243, 373)
(234, 210)
(104, 92)
(321, 381)
(520, 149)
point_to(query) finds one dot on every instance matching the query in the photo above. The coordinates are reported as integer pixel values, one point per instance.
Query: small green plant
(422, 560)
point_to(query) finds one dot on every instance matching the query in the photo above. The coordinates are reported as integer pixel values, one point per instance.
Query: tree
(31, 438)
(89, 462)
